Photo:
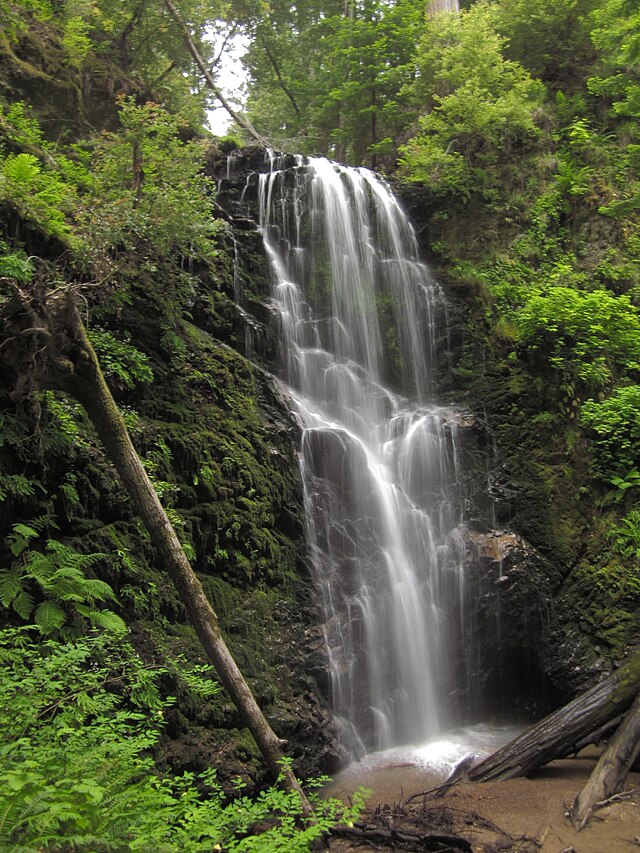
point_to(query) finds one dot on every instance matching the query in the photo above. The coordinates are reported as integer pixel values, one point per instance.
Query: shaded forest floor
(521, 815)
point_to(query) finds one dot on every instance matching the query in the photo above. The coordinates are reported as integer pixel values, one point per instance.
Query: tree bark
(240, 119)
(436, 6)
(71, 365)
(556, 734)
(609, 774)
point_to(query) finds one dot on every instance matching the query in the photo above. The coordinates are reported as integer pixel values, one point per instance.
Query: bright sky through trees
(231, 76)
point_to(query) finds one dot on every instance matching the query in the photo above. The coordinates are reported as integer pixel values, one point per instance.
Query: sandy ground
(531, 812)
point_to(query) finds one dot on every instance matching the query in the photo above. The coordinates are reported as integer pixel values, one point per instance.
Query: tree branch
(276, 69)
(239, 118)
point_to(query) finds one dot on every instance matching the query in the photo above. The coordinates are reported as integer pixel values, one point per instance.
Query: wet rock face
(508, 622)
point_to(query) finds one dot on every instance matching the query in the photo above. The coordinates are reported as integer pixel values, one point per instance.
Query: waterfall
(358, 315)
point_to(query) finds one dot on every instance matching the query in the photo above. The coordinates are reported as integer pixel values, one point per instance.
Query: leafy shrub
(588, 337)
(77, 723)
(615, 427)
(148, 194)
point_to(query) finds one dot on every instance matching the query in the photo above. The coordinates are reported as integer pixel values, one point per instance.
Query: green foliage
(551, 38)
(38, 195)
(326, 78)
(615, 426)
(13, 19)
(588, 337)
(17, 486)
(625, 541)
(148, 195)
(75, 41)
(66, 420)
(119, 359)
(477, 105)
(77, 722)
(14, 264)
(616, 35)
(52, 587)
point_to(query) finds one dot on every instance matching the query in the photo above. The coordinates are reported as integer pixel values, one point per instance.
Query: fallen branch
(459, 771)
(432, 842)
(595, 738)
(239, 118)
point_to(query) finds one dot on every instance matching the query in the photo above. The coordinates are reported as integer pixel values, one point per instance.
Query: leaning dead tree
(45, 346)
(561, 732)
(240, 119)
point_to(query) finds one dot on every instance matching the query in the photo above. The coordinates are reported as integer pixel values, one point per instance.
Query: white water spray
(358, 313)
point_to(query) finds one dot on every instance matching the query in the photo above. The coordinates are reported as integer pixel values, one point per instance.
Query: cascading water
(358, 314)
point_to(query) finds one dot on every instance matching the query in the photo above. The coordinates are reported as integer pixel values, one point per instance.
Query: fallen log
(602, 733)
(433, 842)
(609, 774)
(558, 733)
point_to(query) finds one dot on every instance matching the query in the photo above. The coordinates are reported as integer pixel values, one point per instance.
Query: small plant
(120, 360)
(52, 588)
(614, 424)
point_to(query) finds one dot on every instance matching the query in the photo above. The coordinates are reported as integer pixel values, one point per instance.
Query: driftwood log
(610, 773)
(560, 733)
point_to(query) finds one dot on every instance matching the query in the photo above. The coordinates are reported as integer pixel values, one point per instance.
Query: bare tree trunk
(556, 734)
(71, 365)
(239, 118)
(436, 6)
(609, 774)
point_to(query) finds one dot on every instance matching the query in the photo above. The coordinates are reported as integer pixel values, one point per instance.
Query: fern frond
(10, 585)
(108, 621)
(26, 531)
(20, 537)
(98, 590)
(49, 616)
(9, 811)
(39, 567)
(23, 604)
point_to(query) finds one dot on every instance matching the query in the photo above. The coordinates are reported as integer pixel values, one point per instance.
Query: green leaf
(49, 617)
(10, 585)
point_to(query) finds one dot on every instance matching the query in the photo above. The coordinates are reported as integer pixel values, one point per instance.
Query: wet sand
(533, 808)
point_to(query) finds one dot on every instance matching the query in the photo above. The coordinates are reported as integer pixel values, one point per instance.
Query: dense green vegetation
(514, 132)
(79, 719)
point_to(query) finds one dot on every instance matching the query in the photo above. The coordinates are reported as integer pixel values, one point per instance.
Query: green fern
(51, 586)
(49, 617)
(17, 486)
(120, 360)
(15, 265)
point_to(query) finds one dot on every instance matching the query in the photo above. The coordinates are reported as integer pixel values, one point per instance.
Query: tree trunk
(563, 729)
(72, 366)
(240, 119)
(609, 774)
(436, 6)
